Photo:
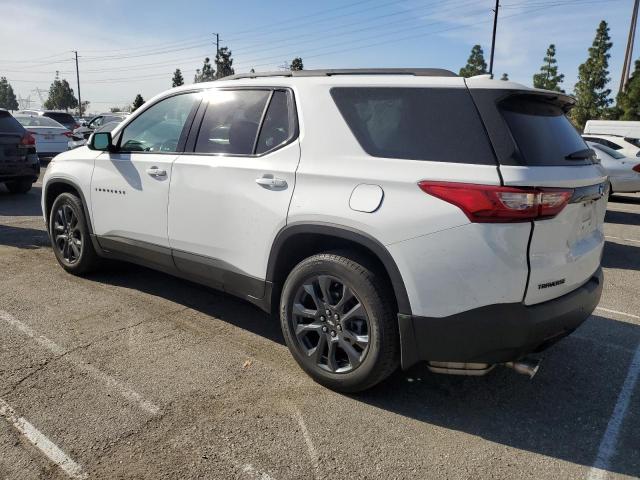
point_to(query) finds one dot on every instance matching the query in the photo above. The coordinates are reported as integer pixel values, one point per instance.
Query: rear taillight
(28, 139)
(636, 168)
(495, 204)
(68, 134)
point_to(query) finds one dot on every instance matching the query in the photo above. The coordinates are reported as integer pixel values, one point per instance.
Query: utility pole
(217, 44)
(78, 80)
(493, 39)
(628, 56)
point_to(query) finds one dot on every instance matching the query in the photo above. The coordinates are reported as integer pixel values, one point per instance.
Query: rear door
(537, 146)
(229, 197)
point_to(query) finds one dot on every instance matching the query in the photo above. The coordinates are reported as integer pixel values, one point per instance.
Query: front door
(230, 197)
(130, 187)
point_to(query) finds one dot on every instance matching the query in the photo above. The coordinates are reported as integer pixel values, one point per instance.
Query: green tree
(628, 104)
(177, 78)
(7, 97)
(115, 109)
(137, 103)
(475, 64)
(206, 74)
(224, 63)
(505, 77)
(548, 78)
(592, 96)
(296, 64)
(61, 95)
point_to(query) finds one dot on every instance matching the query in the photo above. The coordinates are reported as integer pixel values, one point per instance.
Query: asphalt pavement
(130, 373)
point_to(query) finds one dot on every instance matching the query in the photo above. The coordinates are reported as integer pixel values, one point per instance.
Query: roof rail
(418, 72)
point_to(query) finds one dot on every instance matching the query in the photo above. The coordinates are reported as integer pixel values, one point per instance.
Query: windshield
(609, 151)
(33, 121)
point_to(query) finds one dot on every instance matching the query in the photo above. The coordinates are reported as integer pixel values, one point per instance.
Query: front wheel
(339, 323)
(70, 237)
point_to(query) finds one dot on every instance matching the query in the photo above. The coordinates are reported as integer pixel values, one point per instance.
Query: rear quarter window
(433, 124)
(64, 118)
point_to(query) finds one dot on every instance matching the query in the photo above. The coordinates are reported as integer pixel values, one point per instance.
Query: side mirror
(101, 141)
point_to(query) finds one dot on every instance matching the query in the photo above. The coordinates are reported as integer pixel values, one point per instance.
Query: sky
(126, 47)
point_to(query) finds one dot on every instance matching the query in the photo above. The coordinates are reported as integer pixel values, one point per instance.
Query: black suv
(19, 164)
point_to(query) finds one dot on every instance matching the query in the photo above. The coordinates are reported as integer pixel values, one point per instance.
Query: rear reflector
(495, 204)
(68, 134)
(636, 168)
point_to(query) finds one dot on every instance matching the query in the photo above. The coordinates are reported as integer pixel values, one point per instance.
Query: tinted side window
(63, 118)
(276, 128)
(436, 124)
(158, 129)
(231, 121)
(610, 144)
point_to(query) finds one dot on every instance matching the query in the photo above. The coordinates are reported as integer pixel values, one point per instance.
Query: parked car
(624, 172)
(389, 216)
(79, 141)
(622, 128)
(51, 137)
(628, 146)
(19, 164)
(96, 122)
(63, 118)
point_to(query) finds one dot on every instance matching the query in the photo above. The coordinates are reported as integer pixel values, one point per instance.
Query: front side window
(158, 128)
(609, 151)
(231, 121)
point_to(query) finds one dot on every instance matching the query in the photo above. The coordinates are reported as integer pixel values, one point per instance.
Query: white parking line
(617, 312)
(313, 453)
(621, 238)
(79, 363)
(253, 472)
(42, 443)
(609, 441)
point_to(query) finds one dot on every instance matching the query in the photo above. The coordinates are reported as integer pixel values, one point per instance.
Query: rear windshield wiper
(584, 154)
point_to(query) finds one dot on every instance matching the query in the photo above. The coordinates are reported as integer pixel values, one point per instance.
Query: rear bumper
(497, 333)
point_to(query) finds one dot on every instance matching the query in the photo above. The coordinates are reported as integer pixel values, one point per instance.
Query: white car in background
(624, 172)
(51, 137)
(627, 146)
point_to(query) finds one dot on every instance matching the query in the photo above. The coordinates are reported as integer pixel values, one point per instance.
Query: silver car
(51, 136)
(623, 171)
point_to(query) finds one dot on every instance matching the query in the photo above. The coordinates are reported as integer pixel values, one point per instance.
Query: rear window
(64, 118)
(8, 124)
(37, 121)
(434, 124)
(542, 132)
(609, 151)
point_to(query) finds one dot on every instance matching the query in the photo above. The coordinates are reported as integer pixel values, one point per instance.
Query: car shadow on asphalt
(562, 413)
(620, 255)
(622, 218)
(20, 204)
(624, 199)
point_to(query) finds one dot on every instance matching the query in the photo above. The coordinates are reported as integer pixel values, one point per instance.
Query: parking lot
(130, 373)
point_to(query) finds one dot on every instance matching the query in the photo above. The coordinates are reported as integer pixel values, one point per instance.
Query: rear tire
(19, 186)
(70, 238)
(338, 321)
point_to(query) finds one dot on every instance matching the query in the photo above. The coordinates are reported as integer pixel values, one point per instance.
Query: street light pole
(493, 39)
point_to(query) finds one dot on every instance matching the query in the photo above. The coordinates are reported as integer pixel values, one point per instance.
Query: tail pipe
(526, 366)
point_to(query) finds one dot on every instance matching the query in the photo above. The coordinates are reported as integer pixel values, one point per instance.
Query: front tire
(70, 238)
(19, 186)
(339, 323)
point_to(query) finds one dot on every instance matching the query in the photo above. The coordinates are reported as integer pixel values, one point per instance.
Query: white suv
(390, 216)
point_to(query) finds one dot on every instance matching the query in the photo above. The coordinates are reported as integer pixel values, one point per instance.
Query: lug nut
(340, 327)
(324, 329)
(336, 316)
(322, 319)
(333, 333)
(328, 312)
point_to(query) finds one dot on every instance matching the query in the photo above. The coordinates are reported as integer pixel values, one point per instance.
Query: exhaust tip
(525, 366)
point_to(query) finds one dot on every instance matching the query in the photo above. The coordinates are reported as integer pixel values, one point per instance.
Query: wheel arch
(297, 241)
(57, 186)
